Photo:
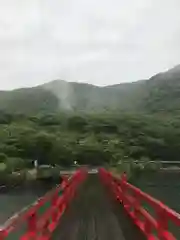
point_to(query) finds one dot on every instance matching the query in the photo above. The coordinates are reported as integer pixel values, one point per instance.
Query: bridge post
(54, 205)
(123, 187)
(137, 205)
(162, 222)
(32, 226)
(2, 234)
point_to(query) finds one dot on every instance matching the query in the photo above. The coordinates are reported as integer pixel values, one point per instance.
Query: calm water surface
(164, 186)
(15, 199)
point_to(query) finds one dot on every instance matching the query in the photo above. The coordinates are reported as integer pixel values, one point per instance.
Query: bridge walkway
(93, 215)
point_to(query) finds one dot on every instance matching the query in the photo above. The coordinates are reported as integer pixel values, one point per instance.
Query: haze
(96, 41)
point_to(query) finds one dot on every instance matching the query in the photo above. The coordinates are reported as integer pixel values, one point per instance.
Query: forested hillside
(161, 93)
(88, 139)
(164, 92)
(60, 122)
(28, 101)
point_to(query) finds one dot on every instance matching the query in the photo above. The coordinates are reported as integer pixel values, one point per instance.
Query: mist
(63, 91)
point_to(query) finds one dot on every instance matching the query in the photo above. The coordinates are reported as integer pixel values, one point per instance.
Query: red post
(123, 187)
(137, 205)
(147, 228)
(162, 221)
(2, 234)
(54, 206)
(32, 226)
(44, 230)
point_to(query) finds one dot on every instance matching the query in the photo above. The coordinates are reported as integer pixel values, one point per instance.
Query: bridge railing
(149, 214)
(42, 217)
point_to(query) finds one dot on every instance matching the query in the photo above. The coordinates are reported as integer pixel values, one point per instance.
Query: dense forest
(96, 139)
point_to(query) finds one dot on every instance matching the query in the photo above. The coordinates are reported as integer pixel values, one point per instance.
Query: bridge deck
(94, 216)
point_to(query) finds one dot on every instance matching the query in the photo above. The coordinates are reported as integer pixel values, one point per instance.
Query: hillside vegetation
(59, 123)
(89, 139)
(161, 93)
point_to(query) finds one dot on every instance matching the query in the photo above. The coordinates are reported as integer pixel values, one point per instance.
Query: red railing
(154, 226)
(42, 217)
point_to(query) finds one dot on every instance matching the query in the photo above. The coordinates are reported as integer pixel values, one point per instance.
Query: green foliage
(15, 164)
(76, 123)
(3, 158)
(60, 122)
(2, 167)
(103, 139)
(5, 118)
(28, 101)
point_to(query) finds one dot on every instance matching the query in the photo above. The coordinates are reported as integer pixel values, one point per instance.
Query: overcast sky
(96, 41)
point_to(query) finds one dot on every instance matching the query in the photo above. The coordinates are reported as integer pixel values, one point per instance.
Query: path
(93, 216)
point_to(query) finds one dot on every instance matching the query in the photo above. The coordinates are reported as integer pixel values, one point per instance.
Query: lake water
(15, 199)
(164, 186)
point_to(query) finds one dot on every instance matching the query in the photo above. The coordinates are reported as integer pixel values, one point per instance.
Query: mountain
(28, 101)
(164, 92)
(160, 93)
(61, 95)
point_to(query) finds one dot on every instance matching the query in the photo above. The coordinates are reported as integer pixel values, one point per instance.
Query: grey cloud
(100, 42)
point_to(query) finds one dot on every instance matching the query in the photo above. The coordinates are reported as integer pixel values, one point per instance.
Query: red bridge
(94, 207)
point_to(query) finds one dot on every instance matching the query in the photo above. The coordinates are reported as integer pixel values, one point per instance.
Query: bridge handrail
(40, 223)
(174, 216)
(27, 211)
(133, 198)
